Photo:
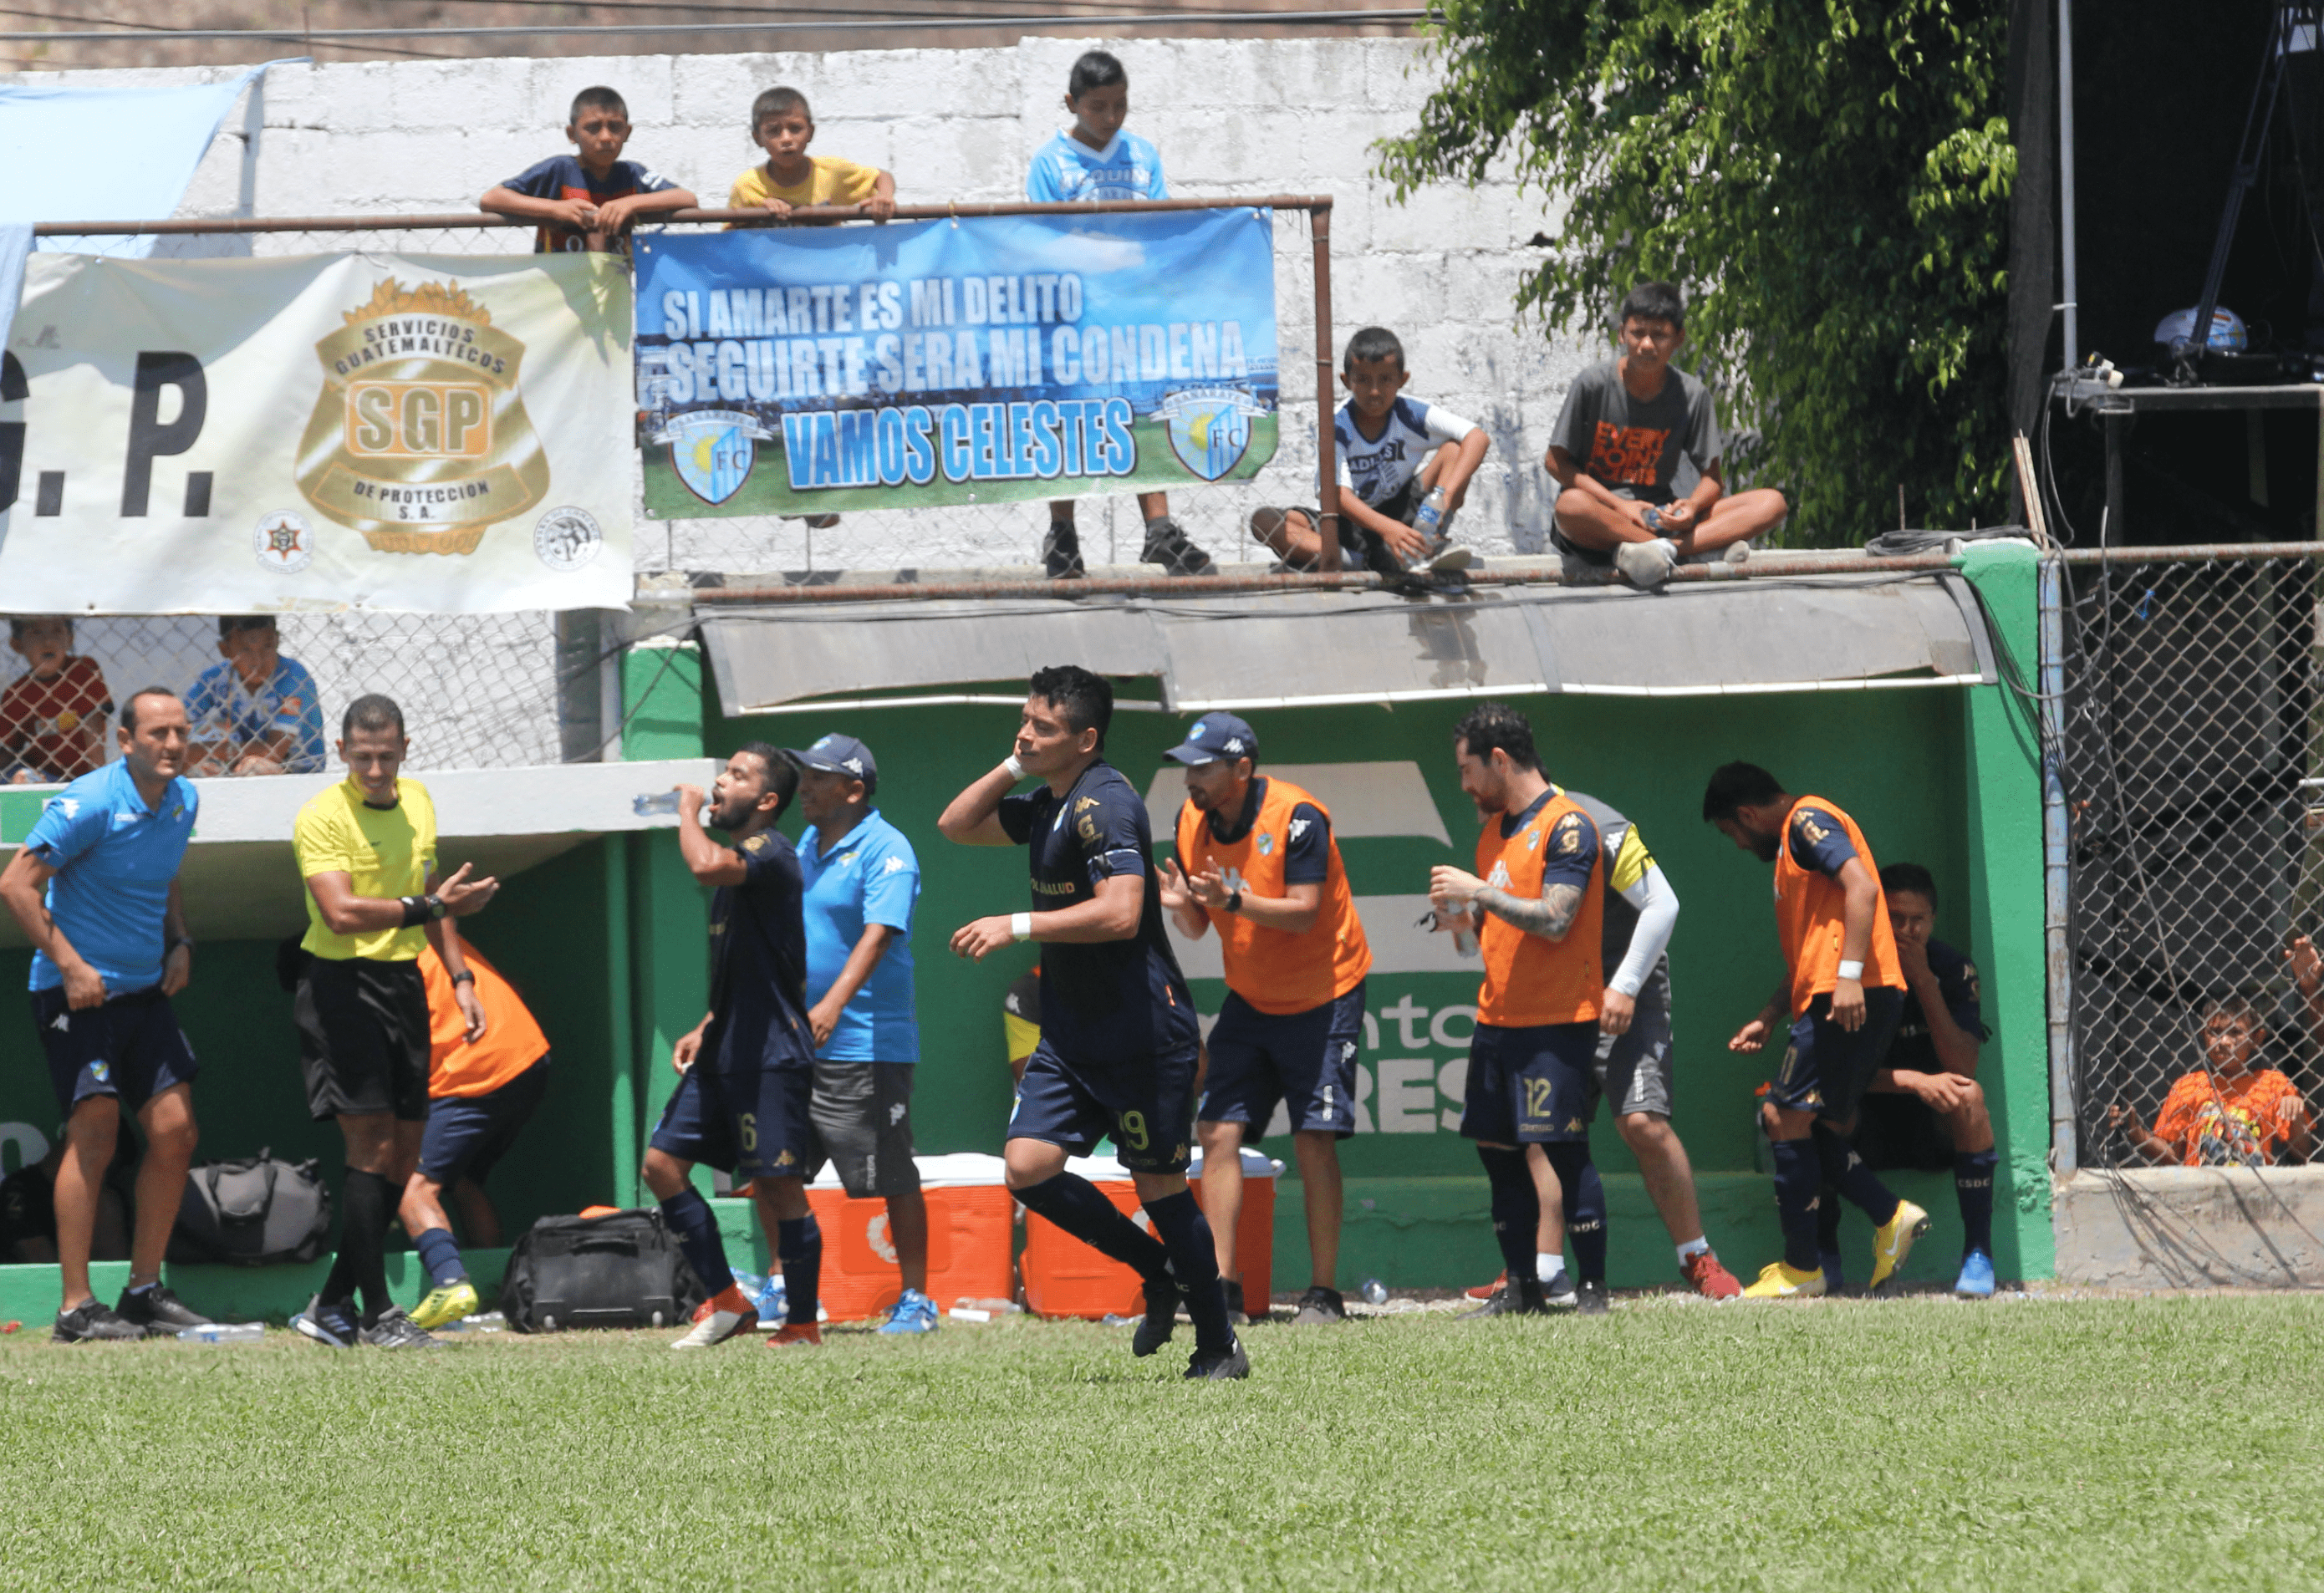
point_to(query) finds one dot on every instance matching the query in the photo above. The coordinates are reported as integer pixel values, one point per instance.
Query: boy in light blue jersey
(861, 881)
(257, 712)
(1093, 161)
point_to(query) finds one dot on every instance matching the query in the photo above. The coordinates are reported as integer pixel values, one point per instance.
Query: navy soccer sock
(1516, 1207)
(1798, 1178)
(1186, 1234)
(799, 1243)
(1585, 1207)
(1845, 1171)
(440, 1256)
(1828, 1234)
(1075, 1204)
(370, 1207)
(690, 1218)
(1973, 1183)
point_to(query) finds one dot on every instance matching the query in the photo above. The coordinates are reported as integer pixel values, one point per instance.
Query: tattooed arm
(1550, 916)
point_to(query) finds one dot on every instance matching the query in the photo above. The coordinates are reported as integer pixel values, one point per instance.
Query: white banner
(427, 434)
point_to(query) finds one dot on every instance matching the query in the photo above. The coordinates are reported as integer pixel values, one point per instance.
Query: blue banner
(808, 370)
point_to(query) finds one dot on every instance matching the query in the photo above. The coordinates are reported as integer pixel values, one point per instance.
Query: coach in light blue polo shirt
(95, 889)
(862, 880)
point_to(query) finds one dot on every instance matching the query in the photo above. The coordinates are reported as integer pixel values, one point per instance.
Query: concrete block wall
(1233, 118)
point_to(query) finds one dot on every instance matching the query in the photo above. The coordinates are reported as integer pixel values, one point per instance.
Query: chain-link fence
(2190, 766)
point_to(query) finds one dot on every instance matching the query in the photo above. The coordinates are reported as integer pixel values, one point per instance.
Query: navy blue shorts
(1531, 1086)
(1146, 1104)
(1826, 1068)
(1306, 1060)
(750, 1119)
(467, 1134)
(130, 1048)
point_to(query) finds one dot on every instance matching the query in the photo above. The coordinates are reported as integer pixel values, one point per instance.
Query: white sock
(1693, 1247)
(1546, 1267)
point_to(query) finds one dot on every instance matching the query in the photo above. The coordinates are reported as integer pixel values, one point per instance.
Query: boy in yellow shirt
(782, 126)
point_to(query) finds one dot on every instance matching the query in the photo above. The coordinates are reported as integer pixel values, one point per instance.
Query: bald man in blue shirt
(94, 889)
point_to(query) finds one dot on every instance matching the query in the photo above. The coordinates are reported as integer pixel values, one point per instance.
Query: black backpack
(256, 1212)
(621, 1270)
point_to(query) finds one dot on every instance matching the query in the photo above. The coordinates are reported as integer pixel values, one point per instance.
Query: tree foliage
(1829, 180)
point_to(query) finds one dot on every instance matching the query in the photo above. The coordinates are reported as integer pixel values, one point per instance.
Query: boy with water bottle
(1403, 468)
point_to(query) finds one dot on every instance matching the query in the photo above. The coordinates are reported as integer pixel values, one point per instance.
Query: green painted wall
(1900, 761)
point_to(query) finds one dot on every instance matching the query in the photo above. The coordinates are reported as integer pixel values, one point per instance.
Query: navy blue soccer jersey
(1956, 983)
(758, 956)
(1819, 841)
(1114, 999)
(563, 177)
(1306, 856)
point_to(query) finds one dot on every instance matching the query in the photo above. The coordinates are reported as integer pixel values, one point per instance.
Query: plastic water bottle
(1429, 521)
(1375, 1292)
(223, 1333)
(648, 803)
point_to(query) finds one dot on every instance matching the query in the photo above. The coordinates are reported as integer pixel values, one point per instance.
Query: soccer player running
(1843, 988)
(95, 889)
(746, 1072)
(366, 848)
(1538, 912)
(1256, 859)
(1119, 1042)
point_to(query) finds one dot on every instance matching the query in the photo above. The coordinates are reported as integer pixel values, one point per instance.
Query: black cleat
(1161, 1318)
(1521, 1298)
(1166, 544)
(329, 1322)
(395, 1331)
(159, 1311)
(1061, 552)
(1590, 1298)
(90, 1323)
(1236, 1315)
(1319, 1306)
(1219, 1366)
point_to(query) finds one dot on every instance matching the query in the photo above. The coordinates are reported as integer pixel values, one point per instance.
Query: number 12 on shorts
(1540, 1098)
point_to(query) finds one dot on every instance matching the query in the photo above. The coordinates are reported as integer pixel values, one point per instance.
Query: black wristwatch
(464, 977)
(1234, 900)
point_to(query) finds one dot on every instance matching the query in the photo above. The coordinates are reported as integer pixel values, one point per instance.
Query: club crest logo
(713, 450)
(1265, 844)
(420, 439)
(1208, 427)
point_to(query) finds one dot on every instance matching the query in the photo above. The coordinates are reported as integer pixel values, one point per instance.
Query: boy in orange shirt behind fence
(2227, 1113)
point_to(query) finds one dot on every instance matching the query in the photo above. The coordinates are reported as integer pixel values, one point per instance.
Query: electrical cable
(154, 34)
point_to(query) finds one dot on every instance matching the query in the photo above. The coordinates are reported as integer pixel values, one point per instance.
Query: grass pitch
(2151, 1444)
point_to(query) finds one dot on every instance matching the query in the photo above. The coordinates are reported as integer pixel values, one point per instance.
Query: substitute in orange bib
(481, 1093)
(1257, 861)
(1538, 905)
(1843, 988)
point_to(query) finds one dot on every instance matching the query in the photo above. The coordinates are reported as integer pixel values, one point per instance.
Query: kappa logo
(1234, 745)
(896, 1114)
(1499, 878)
(1298, 828)
(68, 805)
(895, 865)
(63, 1023)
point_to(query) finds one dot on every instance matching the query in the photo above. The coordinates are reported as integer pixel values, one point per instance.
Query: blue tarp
(106, 154)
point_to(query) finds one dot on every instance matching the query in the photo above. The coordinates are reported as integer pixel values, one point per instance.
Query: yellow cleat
(446, 1302)
(1892, 1241)
(1778, 1281)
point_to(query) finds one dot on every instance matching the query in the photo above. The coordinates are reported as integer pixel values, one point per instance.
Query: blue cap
(838, 755)
(1215, 736)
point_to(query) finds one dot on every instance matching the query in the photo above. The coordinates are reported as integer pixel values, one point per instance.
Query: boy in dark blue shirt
(587, 202)
(1119, 1041)
(747, 1071)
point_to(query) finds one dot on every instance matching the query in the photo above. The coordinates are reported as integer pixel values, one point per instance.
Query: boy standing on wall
(1095, 161)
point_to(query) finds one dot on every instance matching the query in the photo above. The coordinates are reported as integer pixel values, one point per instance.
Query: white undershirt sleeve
(1657, 906)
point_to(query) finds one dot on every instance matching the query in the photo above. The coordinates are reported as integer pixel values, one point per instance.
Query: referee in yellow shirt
(366, 848)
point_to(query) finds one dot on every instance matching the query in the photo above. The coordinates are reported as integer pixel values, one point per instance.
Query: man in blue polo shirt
(862, 880)
(94, 889)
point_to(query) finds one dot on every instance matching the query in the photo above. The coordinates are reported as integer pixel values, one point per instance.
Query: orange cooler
(969, 1239)
(1065, 1277)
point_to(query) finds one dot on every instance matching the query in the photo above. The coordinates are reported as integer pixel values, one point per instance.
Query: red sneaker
(1487, 1291)
(1709, 1279)
(719, 1318)
(790, 1333)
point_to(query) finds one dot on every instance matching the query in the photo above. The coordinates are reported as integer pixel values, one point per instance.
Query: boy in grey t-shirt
(1616, 451)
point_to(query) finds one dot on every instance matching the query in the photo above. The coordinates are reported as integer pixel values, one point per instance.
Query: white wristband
(1016, 770)
(1852, 970)
(1020, 926)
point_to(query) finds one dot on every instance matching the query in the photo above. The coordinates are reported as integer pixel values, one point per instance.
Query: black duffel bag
(256, 1212)
(621, 1270)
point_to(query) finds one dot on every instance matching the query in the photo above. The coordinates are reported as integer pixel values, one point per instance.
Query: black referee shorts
(363, 1038)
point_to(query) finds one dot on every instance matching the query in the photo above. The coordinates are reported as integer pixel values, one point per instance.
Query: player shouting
(1119, 1042)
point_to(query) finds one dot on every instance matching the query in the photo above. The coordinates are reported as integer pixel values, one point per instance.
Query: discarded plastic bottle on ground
(1375, 1292)
(647, 804)
(223, 1333)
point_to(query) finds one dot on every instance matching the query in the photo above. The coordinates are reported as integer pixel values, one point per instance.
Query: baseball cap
(1215, 736)
(838, 755)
